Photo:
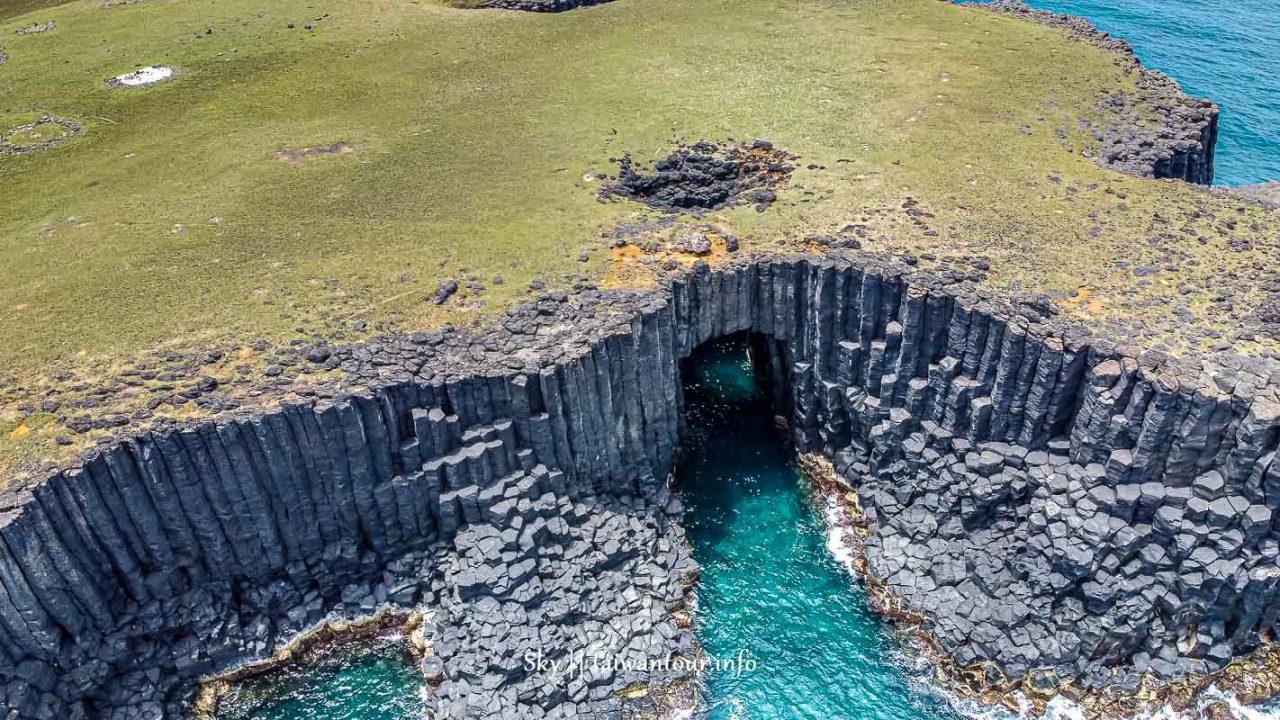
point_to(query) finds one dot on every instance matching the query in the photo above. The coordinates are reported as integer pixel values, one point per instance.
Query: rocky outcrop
(1159, 133)
(36, 28)
(1054, 502)
(67, 129)
(1267, 194)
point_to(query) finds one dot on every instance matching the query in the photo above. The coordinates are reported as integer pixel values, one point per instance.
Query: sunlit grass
(171, 220)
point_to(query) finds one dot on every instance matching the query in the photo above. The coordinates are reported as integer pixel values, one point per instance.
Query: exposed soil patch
(639, 259)
(143, 77)
(298, 156)
(39, 135)
(704, 176)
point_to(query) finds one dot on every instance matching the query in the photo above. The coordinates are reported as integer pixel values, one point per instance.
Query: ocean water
(776, 603)
(1225, 50)
(770, 591)
(366, 680)
(775, 588)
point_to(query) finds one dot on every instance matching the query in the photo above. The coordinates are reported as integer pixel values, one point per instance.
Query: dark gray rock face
(577, 582)
(704, 176)
(1048, 500)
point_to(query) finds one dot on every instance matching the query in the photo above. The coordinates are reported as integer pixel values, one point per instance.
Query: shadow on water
(769, 586)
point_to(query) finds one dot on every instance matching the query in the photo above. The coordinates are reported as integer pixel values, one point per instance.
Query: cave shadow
(732, 424)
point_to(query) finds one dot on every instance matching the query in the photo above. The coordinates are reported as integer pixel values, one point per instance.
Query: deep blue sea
(1225, 50)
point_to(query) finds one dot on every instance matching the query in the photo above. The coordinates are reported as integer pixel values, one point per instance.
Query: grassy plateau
(207, 210)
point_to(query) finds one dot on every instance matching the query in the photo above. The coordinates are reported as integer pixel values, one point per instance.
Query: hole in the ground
(705, 176)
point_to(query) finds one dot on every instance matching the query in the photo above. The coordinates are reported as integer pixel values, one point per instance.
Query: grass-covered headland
(317, 171)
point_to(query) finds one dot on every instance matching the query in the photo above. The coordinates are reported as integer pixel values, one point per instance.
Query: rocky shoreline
(1181, 143)
(331, 633)
(1052, 505)
(1251, 680)
(514, 500)
(504, 636)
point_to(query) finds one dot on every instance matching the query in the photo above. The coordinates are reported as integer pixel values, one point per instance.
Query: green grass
(14, 8)
(168, 221)
(24, 130)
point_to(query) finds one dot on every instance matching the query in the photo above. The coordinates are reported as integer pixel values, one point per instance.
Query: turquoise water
(769, 586)
(368, 680)
(769, 590)
(1224, 50)
(770, 594)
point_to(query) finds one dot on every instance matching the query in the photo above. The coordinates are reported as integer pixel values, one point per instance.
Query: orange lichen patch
(720, 239)
(296, 157)
(1084, 302)
(630, 267)
(20, 432)
(638, 264)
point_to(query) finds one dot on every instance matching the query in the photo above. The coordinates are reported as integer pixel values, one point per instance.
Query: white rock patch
(149, 75)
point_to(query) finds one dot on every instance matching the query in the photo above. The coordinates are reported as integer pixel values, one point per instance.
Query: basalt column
(1047, 501)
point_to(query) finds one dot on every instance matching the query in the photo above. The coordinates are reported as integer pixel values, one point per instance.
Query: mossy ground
(170, 219)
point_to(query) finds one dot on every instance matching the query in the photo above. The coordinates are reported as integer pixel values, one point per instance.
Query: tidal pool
(366, 680)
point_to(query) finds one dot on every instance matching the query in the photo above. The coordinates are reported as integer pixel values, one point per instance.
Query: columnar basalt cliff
(1054, 503)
